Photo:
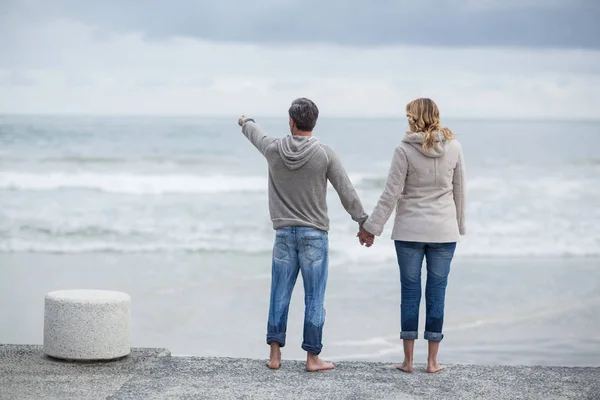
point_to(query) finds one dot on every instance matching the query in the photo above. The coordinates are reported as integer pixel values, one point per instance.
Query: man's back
(299, 168)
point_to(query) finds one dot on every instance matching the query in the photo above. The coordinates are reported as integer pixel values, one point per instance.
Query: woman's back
(427, 210)
(425, 183)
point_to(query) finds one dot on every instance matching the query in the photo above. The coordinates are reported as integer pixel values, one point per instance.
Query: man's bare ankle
(314, 363)
(275, 352)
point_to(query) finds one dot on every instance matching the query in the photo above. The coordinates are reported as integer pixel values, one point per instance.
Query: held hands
(365, 237)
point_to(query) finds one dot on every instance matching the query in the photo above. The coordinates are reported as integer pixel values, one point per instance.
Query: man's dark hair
(304, 113)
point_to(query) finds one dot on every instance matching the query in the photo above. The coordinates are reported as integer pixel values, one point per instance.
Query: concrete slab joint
(87, 325)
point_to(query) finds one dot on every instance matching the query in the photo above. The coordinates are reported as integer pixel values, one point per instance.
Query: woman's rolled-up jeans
(438, 257)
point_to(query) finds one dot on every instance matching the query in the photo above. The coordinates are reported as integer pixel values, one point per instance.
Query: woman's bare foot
(434, 367)
(409, 349)
(406, 366)
(314, 364)
(275, 357)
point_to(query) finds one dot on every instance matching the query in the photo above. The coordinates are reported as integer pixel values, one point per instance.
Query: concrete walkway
(153, 374)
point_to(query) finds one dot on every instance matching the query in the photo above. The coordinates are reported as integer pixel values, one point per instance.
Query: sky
(475, 58)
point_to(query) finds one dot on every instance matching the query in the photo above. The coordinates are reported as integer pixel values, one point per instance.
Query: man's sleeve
(336, 174)
(256, 135)
(391, 194)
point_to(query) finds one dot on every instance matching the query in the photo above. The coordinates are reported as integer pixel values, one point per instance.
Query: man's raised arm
(257, 136)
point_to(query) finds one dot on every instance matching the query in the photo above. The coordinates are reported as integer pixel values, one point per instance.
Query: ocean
(173, 210)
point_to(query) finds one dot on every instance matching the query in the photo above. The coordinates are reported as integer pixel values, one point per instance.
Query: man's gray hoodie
(299, 167)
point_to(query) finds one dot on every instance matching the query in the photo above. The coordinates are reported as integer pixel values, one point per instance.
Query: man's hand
(241, 120)
(365, 237)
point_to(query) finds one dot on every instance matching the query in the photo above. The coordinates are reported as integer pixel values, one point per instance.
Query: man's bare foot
(274, 364)
(314, 364)
(406, 366)
(432, 368)
(275, 357)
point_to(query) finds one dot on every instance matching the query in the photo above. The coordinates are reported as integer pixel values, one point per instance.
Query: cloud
(74, 67)
(55, 62)
(456, 23)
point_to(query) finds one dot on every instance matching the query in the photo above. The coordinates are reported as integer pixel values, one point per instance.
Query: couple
(426, 186)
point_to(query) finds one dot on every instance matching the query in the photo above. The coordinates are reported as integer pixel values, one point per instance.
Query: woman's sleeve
(392, 192)
(459, 190)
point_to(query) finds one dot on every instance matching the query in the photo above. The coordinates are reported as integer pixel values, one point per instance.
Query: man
(299, 168)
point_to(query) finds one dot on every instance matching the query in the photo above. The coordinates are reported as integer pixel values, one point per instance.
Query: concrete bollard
(87, 325)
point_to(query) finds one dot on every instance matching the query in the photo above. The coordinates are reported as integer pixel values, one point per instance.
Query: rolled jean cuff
(409, 335)
(276, 337)
(311, 349)
(433, 336)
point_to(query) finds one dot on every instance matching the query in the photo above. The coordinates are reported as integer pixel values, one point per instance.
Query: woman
(426, 184)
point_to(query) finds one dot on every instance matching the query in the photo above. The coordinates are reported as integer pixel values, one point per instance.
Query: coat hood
(295, 151)
(438, 149)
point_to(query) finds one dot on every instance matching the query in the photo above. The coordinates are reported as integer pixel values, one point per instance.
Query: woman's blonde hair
(424, 117)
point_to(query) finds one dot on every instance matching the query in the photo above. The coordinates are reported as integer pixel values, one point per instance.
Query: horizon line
(271, 116)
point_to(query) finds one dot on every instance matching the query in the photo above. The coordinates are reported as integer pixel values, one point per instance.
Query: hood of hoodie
(295, 151)
(416, 140)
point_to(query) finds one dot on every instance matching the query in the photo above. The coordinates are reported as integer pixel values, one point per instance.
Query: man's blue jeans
(410, 259)
(305, 250)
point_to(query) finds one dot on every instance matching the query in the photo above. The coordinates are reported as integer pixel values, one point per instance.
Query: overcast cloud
(477, 58)
(521, 23)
